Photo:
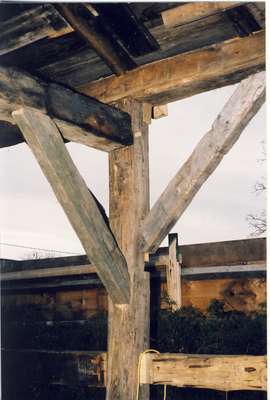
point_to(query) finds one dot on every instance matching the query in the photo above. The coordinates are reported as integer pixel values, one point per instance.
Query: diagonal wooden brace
(80, 206)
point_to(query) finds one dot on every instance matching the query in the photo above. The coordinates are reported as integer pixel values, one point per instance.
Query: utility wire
(37, 248)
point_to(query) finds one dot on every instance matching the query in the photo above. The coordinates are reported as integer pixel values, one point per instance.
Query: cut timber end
(218, 372)
(80, 206)
(79, 118)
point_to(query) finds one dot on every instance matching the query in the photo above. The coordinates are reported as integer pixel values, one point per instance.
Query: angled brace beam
(209, 152)
(80, 206)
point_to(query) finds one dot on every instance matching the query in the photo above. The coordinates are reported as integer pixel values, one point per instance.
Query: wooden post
(173, 273)
(129, 204)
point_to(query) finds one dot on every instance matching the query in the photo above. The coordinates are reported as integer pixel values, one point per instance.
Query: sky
(30, 215)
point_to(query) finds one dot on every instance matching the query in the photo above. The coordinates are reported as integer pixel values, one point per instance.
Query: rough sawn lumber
(79, 118)
(209, 152)
(76, 200)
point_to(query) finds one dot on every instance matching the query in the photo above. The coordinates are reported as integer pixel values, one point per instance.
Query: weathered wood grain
(80, 206)
(31, 26)
(209, 152)
(220, 372)
(173, 274)
(75, 66)
(186, 74)
(129, 204)
(109, 50)
(187, 13)
(79, 118)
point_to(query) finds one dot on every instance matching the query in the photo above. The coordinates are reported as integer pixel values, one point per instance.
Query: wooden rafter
(114, 55)
(205, 371)
(80, 206)
(185, 75)
(79, 118)
(230, 123)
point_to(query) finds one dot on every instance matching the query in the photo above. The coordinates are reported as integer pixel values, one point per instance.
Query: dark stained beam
(123, 21)
(78, 203)
(115, 56)
(80, 118)
(54, 367)
(30, 26)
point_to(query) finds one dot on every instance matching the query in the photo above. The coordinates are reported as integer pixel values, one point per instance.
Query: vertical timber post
(129, 204)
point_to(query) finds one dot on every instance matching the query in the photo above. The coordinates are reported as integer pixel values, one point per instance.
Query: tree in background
(258, 222)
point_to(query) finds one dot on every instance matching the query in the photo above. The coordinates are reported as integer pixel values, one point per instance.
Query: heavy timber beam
(230, 123)
(129, 204)
(79, 118)
(79, 205)
(185, 75)
(72, 368)
(205, 371)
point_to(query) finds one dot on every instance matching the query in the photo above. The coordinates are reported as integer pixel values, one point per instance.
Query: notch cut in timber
(244, 103)
(80, 206)
(173, 273)
(218, 372)
(79, 118)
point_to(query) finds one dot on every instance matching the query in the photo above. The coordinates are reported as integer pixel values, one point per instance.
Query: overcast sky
(31, 216)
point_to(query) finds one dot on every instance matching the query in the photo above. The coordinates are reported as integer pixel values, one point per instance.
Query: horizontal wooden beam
(79, 118)
(207, 155)
(80, 206)
(190, 12)
(185, 75)
(219, 372)
(54, 367)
